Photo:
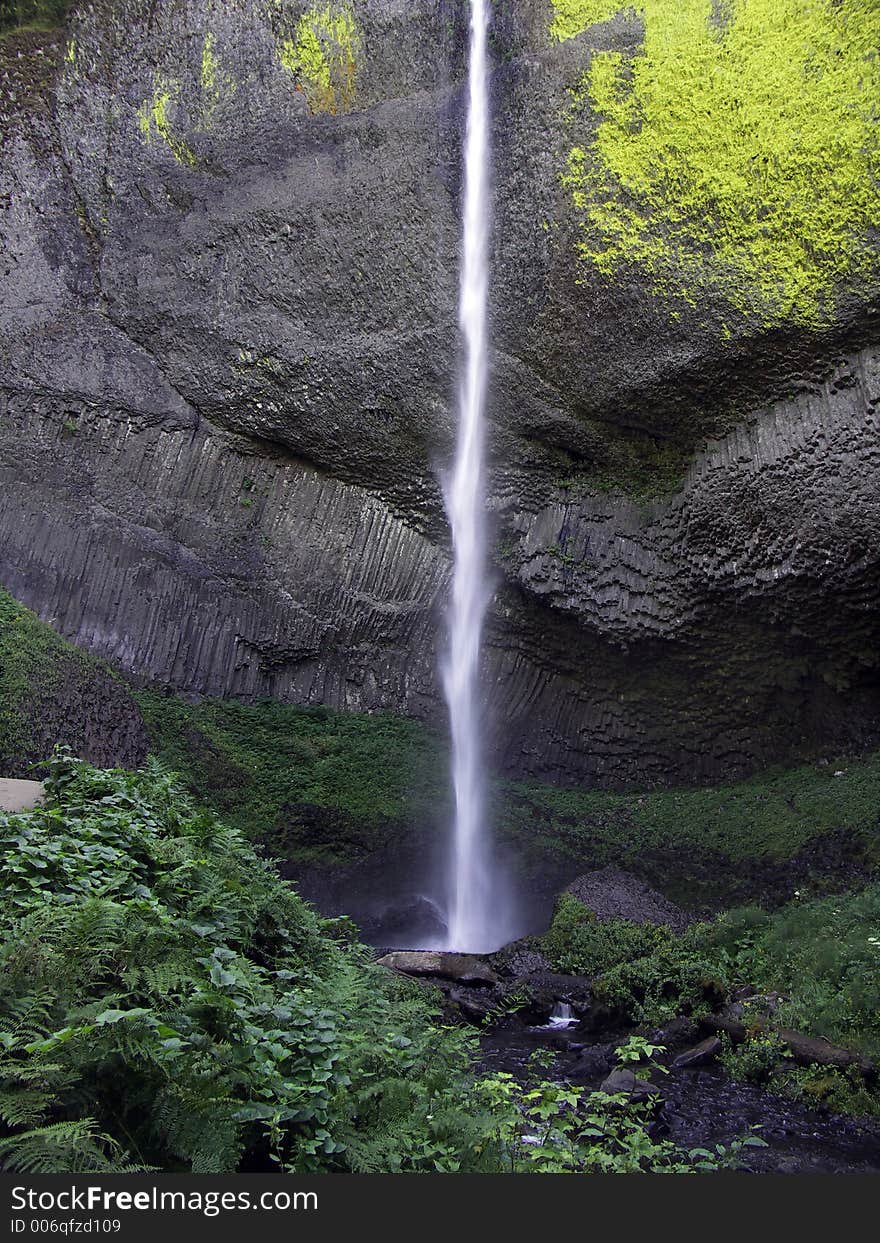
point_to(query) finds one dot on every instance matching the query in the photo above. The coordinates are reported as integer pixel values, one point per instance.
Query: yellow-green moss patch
(322, 55)
(735, 153)
(217, 85)
(570, 17)
(154, 121)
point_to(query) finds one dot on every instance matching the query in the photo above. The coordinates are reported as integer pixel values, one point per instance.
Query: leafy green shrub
(756, 1058)
(579, 944)
(166, 1000)
(645, 973)
(676, 979)
(841, 1091)
(551, 1128)
(822, 955)
(826, 956)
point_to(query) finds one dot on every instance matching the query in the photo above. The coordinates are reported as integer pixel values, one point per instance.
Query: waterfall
(562, 1015)
(473, 912)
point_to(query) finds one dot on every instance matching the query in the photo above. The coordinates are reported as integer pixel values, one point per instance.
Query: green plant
(580, 944)
(640, 1051)
(551, 1128)
(512, 1002)
(676, 979)
(167, 1000)
(322, 56)
(842, 1091)
(756, 1058)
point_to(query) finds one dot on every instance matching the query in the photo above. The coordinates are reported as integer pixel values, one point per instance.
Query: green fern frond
(25, 1108)
(64, 1147)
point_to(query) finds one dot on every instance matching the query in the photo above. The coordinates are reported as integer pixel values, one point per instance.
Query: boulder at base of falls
(612, 894)
(461, 968)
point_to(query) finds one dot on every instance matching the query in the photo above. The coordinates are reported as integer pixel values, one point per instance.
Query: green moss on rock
(51, 693)
(154, 121)
(322, 55)
(314, 784)
(572, 17)
(736, 153)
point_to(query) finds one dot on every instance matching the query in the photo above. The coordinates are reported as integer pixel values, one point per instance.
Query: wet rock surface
(462, 968)
(228, 348)
(706, 1051)
(613, 894)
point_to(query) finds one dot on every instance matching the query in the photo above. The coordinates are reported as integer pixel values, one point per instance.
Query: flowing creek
(702, 1106)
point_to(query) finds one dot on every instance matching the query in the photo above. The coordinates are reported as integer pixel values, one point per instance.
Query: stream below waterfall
(702, 1106)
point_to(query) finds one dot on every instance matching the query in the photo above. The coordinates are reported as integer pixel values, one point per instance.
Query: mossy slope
(51, 693)
(319, 787)
(315, 785)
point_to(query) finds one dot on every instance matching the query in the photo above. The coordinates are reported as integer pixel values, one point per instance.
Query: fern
(163, 992)
(29, 1017)
(63, 1147)
(25, 1108)
(203, 1131)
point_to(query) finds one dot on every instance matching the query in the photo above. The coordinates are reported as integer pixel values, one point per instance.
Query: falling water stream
(475, 912)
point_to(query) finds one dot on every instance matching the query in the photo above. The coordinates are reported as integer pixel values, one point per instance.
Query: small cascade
(562, 1015)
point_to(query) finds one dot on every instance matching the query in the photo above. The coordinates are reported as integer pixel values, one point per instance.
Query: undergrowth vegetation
(167, 1002)
(821, 956)
(267, 767)
(51, 692)
(43, 14)
(323, 787)
(715, 845)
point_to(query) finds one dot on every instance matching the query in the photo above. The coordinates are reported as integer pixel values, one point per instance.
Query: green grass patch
(770, 815)
(270, 769)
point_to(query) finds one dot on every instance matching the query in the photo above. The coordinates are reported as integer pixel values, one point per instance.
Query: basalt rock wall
(229, 344)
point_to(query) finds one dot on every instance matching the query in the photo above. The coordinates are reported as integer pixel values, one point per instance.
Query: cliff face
(228, 374)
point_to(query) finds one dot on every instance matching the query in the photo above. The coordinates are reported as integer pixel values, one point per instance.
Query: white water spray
(474, 915)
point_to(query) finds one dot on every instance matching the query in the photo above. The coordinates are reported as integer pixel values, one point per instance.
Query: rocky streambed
(699, 1106)
(521, 1007)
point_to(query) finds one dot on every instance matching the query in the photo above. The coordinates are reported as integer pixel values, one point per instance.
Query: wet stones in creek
(706, 1051)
